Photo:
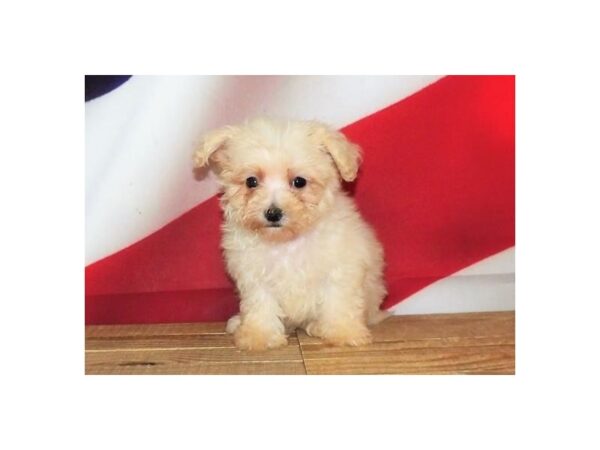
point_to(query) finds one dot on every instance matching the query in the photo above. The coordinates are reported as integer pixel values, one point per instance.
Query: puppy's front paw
(254, 339)
(233, 324)
(348, 336)
(340, 334)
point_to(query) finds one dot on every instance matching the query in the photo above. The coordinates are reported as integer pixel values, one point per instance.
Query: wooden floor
(475, 343)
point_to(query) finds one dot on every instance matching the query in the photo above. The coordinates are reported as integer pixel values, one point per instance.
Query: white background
(46, 399)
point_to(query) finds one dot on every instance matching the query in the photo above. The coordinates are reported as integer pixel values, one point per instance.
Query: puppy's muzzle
(274, 216)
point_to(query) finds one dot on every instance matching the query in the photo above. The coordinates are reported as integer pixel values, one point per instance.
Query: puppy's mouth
(274, 225)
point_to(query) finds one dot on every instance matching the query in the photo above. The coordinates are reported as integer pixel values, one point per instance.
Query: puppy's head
(278, 177)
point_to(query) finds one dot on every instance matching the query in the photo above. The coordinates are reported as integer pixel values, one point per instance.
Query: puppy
(294, 243)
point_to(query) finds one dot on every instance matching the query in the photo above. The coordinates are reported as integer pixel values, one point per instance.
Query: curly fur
(321, 269)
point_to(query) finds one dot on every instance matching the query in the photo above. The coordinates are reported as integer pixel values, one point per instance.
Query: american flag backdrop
(437, 183)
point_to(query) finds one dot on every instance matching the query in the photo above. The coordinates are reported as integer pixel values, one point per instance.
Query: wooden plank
(447, 325)
(435, 326)
(170, 329)
(475, 360)
(164, 342)
(182, 349)
(425, 344)
(478, 343)
(189, 362)
(320, 350)
(206, 348)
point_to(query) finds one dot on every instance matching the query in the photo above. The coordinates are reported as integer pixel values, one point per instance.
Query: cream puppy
(294, 243)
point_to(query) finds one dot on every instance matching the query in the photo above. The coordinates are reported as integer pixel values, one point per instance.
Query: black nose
(273, 214)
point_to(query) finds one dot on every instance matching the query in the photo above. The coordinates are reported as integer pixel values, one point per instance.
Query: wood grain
(476, 343)
(202, 348)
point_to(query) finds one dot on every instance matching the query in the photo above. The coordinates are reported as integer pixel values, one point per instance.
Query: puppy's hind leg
(375, 292)
(376, 316)
(375, 296)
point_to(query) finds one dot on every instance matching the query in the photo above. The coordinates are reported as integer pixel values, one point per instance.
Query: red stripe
(438, 178)
(160, 307)
(183, 255)
(437, 183)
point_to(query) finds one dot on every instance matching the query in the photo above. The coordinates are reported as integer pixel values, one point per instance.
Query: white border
(49, 402)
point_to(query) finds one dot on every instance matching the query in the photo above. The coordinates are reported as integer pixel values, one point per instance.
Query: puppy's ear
(345, 154)
(210, 152)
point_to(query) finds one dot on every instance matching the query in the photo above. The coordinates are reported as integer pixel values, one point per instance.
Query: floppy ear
(345, 154)
(210, 150)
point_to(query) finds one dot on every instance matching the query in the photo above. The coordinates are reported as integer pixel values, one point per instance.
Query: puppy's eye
(251, 182)
(299, 182)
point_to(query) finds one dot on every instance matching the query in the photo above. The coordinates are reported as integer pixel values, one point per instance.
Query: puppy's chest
(292, 263)
(290, 271)
(294, 275)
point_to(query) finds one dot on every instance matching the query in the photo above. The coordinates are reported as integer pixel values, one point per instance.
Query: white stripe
(488, 285)
(140, 139)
